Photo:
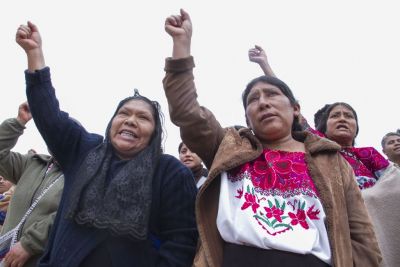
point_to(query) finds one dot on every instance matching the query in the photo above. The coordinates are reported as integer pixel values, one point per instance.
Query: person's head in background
(189, 158)
(5, 185)
(339, 122)
(391, 146)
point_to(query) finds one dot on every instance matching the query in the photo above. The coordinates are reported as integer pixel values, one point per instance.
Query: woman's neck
(287, 143)
(343, 142)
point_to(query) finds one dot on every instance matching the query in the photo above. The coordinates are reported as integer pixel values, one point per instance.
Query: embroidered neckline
(277, 172)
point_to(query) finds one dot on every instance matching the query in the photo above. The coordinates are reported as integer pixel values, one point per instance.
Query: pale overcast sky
(98, 51)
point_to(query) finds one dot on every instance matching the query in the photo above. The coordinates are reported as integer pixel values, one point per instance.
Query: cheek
(148, 131)
(329, 127)
(249, 117)
(114, 126)
(354, 124)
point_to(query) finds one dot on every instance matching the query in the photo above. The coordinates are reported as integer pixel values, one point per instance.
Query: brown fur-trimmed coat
(351, 235)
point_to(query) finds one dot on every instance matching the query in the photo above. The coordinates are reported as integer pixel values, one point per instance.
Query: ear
(296, 110)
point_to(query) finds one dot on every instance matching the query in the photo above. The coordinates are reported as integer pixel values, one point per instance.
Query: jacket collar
(42, 157)
(316, 144)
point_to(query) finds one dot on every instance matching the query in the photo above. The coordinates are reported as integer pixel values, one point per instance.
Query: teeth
(127, 133)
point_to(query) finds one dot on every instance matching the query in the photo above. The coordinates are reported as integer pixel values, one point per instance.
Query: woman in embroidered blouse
(272, 197)
(124, 203)
(338, 122)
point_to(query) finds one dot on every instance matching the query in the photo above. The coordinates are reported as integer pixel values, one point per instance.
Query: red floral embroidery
(240, 193)
(299, 217)
(274, 212)
(277, 173)
(276, 170)
(366, 162)
(250, 201)
(312, 214)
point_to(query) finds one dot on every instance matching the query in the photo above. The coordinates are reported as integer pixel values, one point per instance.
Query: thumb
(185, 15)
(33, 27)
(258, 47)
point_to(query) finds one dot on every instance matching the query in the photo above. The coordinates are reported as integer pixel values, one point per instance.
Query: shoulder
(316, 144)
(365, 151)
(171, 164)
(171, 171)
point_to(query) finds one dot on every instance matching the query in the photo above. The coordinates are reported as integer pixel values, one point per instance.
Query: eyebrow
(344, 112)
(263, 90)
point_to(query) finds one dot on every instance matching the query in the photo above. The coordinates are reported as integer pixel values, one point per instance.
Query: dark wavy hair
(158, 116)
(322, 115)
(284, 89)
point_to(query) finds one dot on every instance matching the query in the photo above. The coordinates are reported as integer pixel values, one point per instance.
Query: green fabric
(28, 172)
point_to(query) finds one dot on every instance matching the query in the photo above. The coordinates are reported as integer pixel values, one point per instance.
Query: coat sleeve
(176, 220)
(365, 249)
(35, 238)
(12, 164)
(200, 130)
(65, 137)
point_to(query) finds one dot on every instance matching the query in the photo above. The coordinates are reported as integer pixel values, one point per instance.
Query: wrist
(181, 49)
(22, 121)
(35, 59)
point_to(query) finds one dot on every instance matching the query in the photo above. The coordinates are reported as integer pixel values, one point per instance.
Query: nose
(264, 102)
(131, 121)
(342, 117)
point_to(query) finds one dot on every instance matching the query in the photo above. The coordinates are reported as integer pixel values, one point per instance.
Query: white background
(98, 51)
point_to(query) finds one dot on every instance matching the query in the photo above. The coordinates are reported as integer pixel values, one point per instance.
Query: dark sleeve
(176, 221)
(66, 139)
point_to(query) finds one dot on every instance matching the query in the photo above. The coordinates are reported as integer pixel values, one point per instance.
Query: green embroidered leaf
(270, 204)
(262, 219)
(284, 225)
(303, 205)
(248, 189)
(283, 205)
(252, 191)
(273, 222)
(284, 217)
(277, 203)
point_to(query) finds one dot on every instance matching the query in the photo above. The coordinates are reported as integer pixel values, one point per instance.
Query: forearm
(200, 131)
(266, 68)
(181, 48)
(61, 134)
(44, 105)
(35, 238)
(11, 163)
(35, 60)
